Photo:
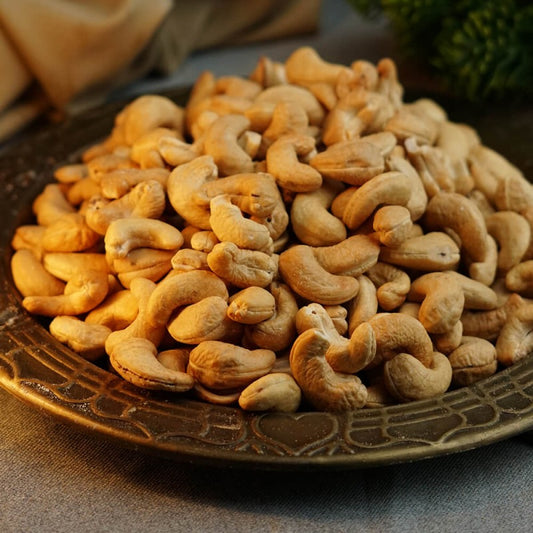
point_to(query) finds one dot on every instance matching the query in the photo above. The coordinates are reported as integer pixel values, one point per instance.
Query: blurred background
(59, 57)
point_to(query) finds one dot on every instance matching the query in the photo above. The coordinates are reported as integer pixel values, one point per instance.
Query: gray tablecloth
(55, 478)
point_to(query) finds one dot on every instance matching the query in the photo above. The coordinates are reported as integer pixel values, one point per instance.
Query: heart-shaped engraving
(297, 432)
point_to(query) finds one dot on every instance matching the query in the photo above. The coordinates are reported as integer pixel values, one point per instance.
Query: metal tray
(47, 375)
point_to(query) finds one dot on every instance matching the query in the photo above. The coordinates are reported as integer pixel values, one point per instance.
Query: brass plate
(50, 377)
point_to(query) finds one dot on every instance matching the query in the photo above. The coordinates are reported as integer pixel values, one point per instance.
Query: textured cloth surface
(57, 479)
(54, 478)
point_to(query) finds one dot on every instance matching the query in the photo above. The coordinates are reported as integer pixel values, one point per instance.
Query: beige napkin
(62, 53)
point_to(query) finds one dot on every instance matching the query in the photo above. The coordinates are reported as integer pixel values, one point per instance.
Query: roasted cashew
(407, 122)
(229, 224)
(71, 173)
(30, 276)
(51, 204)
(485, 271)
(321, 386)
(148, 263)
(242, 268)
(354, 162)
(276, 391)
(202, 321)
(64, 265)
(147, 113)
(304, 274)
(392, 285)
(520, 278)
(427, 252)
(365, 304)
(458, 213)
(82, 191)
(311, 221)
(187, 259)
(394, 333)
(268, 73)
(513, 193)
(145, 200)
(69, 233)
(283, 162)
(513, 234)
(182, 289)
(135, 359)
(408, 379)
(293, 93)
(221, 143)
(224, 366)
(287, 118)
(488, 324)
(117, 311)
(472, 360)
(83, 292)
(127, 234)
(185, 190)
(141, 289)
(88, 340)
(29, 237)
(392, 188)
(515, 340)
(392, 224)
(277, 332)
(204, 240)
(145, 150)
(251, 305)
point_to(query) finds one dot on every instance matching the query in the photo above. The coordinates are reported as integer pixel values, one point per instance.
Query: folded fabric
(76, 52)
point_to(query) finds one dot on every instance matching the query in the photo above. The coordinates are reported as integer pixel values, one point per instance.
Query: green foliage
(482, 48)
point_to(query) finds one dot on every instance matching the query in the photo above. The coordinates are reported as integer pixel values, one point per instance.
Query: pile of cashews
(301, 237)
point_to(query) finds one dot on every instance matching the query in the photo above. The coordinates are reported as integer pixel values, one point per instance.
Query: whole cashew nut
(276, 391)
(322, 387)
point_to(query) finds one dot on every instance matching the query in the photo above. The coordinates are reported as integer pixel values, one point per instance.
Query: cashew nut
(273, 392)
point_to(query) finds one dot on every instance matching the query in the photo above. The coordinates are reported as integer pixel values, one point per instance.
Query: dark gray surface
(54, 478)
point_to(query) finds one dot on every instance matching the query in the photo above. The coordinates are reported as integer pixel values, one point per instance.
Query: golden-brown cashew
(407, 122)
(185, 192)
(51, 204)
(30, 276)
(276, 391)
(135, 359)
(71, 173)
(513, 193)
(186, 259)
(64, 265)
(472, 360)
(395, 333)
(117, 183)
(182, 289)
(29, 236)
(229, 224)
(447, 342)
(458, 213)
(427, 252)
(251, 305)
(353, 256)
(145, 150)
(418, 201)
(391, 188)
(276, 223)
(117, 311)
(354, 162)
(127, 234)
(202, 321)
(224, 366)
(294, 93)
(304, 274)
(393, 224)
(82, 191)
(520, 278)
(485, 271)
(365, 304)
(83, 292)
(203, 241)
(268, 73)
(69, 233)
(141, 288)
(515, 340)
(304, 67)
(88, 340)
(145, 200)
(392, 285)
(321, 386)
(148, 263)
(513, 234)
(254, 193)
(279, 331)
(488, 324)
(407, 379)
(283, 162)
(221, 143)
(147, 113)
(287, 118)
(242, 268)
